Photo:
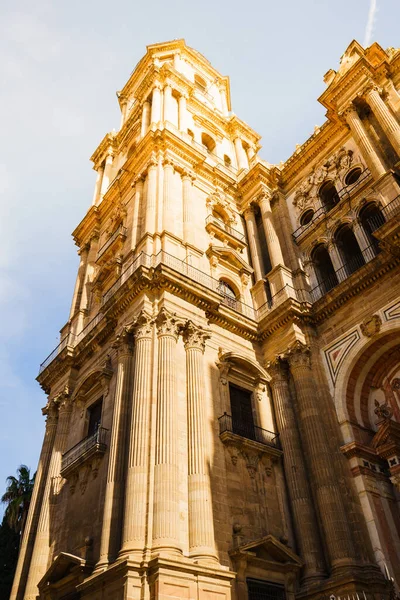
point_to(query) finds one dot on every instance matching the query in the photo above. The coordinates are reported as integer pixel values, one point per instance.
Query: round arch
(245, 363)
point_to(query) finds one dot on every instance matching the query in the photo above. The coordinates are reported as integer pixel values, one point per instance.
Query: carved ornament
(371, 326)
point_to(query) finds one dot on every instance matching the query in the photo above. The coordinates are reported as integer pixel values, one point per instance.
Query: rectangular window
(264, 590)
(242, 412)
(94, 417)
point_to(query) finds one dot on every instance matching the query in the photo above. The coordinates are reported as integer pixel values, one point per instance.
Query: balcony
(388, 213)
(90, 447)
(225, 232)
(112, 245)
(228, 427)
(346, 192)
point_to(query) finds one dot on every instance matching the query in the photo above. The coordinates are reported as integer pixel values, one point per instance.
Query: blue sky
(61, 64)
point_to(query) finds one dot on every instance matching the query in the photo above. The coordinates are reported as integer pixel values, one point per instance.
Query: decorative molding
(371, 326)
(336, 353)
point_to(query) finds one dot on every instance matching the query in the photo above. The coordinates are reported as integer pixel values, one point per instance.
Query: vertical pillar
(168, 219)
(336, 261)
(156, 105)
(28, 538)
(106, 175)
(145, 118)
(385, 118)
(166, 480)
(124, 106)
(305, 520)
(98, 185)
(368, 252)
(372, 159)
(115, 470)
(84, 299)
(224, 104)
(83, 252)
(135, 513)
(187, 188)
(151, 200)
(240, 154)
(274, 247)
(136, 220)
(41, 548)
(182, 117)
(167, 103)
(255, 249)
(201, 527)
(336, 529)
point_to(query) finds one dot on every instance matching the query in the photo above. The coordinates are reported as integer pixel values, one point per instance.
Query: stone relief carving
(371, 326)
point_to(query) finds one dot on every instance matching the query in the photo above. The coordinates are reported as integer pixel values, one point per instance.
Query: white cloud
(369, 29)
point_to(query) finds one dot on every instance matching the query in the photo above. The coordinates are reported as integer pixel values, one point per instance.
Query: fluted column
(187, 189)
(305, 520)
(385, 118)
(167, 103)
(135, 513)
(156, 105)
(168, 204)
(106, 179)
(240, 154)
(41, 548)
(362, 140)
(364, 242)
(182, 115)
(255, 249)
(115, 470)
(274, 247)
(146, 110)
(28, 538)
(166, 477)
(151, 199)
(97, 187)
(83, 252)
(336, 260)
(136, 219)
(201, 526)
(336, 529)
(91, 259)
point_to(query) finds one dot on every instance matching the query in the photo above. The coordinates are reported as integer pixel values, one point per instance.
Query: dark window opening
(94, 416)
(371, 219)
(242, 412)
(324, 269)
(328, 195)
(227, 160)
(264, 590)
(353, 176)
(208, 142)
(263, 242)
(307, 217)
(349, 249)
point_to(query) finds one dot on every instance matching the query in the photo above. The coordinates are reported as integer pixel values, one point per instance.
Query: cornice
(109, 142)
(239, 127)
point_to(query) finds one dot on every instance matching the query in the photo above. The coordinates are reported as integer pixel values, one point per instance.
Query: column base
(259, 294)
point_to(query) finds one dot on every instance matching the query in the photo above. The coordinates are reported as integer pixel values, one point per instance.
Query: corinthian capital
(195, 336)
(123, 342)
(168, 324)
(277, 370)
(298, 355)
(143, 326)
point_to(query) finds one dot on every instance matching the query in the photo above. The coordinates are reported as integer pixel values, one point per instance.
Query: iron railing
(68, 340)
(247, 430)
(90, 444)
(121, 230)
(335, 278)
(224, 227)
(346, 192)
(386, 214)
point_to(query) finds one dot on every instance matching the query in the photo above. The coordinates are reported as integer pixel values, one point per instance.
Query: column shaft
(334, 521)
(156, 105)
(41, 548)
(28, 538)
(187, 186)
(135, 513)
(136, 219)
(166, 481)
(115, 470)
(168, 220)
(91, 259)
(240, 154)
(372, 159)
(274, 247)
(385, 118)
(167, 103)
(305, 520)
(151, 200)
(255, 249)
(182, 118)
(79, 281)
(106, 179)
(146, 110)
(201, 527)
(98, 184)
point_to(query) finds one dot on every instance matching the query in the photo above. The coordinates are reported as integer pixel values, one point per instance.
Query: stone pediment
(64, 566)
(269, 549)
(230, 258)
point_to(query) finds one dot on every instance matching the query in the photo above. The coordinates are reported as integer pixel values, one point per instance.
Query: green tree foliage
(9, 543)
(17, 497)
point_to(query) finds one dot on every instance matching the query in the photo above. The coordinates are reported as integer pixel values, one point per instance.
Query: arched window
(328, 195)
(324, 269)
(349, 249)
(227, 292)
(208, 142)
(353, 176)
(371, 219)
(307, 217)
(227, 161)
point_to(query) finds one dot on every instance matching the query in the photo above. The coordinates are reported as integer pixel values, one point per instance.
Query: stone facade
(223, 415)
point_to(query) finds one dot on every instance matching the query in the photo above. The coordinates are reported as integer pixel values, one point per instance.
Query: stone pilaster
(166, 471)
(41, 548)
(167, 103)
(362, 140)
(151, 198)
(146, 114)
(201, 527)
(168, 205)
(83, 252)
(182, 112)
(135, 513)
(274, 247)
(28, 538)
(384, 117)
(255, 249)
(187, 191)
(107, 178)
(324, 482)
(305, 520)
(97, 187)
(156, 105)
(240, 154)
(137, 209)
(116, 461)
